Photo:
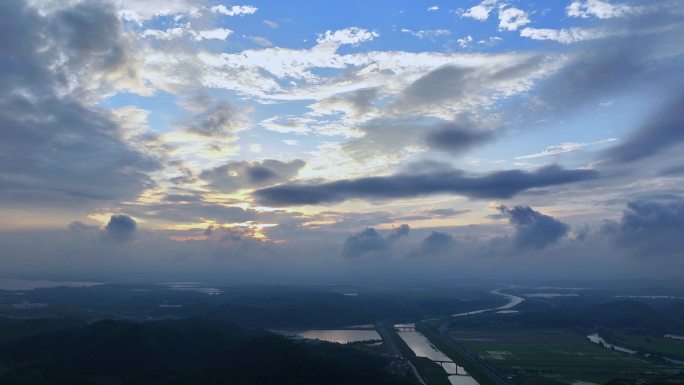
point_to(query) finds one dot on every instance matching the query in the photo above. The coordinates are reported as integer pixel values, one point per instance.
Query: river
(513, 300)
(597, 339)
(422, 347)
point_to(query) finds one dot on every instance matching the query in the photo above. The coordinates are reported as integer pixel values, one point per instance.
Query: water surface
(422, 347)
(341, 336)
(597, 339)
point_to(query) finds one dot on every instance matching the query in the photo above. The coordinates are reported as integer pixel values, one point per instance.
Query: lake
(341, 336)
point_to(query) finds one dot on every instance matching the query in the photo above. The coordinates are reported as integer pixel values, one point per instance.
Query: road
(493, 376)
(487, 374)
(475, 360)
(394, 350)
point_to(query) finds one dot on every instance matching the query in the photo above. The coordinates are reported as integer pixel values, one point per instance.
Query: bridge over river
(423, 346)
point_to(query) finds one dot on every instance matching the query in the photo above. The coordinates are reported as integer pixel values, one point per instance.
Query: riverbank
(429, 340)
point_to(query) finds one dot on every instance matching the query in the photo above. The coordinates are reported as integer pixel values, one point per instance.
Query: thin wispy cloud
(563, 148)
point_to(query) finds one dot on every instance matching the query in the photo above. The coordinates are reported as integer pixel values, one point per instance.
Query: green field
(650, 344)
(557, 354)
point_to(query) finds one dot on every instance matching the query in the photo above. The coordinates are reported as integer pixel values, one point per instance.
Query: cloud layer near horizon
(200, 130)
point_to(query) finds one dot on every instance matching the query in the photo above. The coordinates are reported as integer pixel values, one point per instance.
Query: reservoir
(341, 336)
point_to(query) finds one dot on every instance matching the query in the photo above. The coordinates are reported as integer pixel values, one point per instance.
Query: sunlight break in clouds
(168, 135)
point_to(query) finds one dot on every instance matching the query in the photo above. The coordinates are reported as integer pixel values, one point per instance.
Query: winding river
(597, 339)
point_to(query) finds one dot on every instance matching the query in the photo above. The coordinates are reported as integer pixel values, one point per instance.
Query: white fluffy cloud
(235, 10)
(481, 11)
(600, 9)
(212, 34)
(465, 42)
(564, 36)
(142, 11)
(351, 36)
(511, 19)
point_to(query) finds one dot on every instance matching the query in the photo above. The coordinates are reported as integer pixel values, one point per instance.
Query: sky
(342, 141)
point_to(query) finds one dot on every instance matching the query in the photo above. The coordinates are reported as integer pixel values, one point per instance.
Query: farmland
(562, 355)
(650, 344)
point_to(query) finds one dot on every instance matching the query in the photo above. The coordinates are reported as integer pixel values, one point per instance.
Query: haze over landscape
(464, 192)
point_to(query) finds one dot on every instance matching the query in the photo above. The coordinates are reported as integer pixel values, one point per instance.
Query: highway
(394, 350)
(475, 360)
(484, 373)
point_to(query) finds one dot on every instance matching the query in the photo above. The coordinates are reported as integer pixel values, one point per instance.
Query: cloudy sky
(344, 141)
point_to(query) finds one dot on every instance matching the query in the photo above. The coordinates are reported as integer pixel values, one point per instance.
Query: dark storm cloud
(436, 243)
(121, 228)
(500, 184)
(54, 148)
(368, 241)
(244, 174)
(534, 230)
(454, 138)
(650, 228)
(399, 232)
(661, 131)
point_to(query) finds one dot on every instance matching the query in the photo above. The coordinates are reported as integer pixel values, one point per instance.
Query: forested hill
(181, 352)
